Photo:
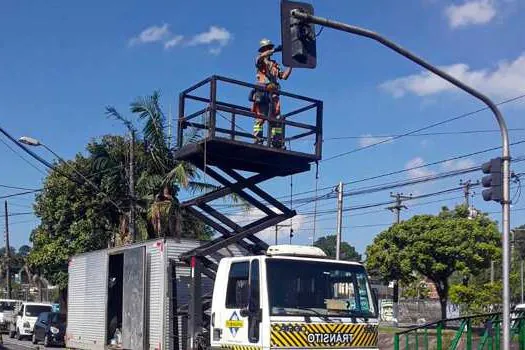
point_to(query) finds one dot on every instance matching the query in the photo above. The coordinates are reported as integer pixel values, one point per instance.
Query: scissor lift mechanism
(228, 154)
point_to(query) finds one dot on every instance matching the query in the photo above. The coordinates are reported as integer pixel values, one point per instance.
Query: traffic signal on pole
(493, 181)
(297, 36)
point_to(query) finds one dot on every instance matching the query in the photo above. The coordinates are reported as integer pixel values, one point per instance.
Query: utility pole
(132, 185)
(339, 221)
(398, 205)
(7, 253)
(467, 186)
(396, 209)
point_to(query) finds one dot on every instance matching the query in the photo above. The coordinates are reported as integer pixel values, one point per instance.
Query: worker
(266, 101)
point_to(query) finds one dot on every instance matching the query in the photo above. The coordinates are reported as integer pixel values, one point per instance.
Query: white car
(7, 306)
(26, 318)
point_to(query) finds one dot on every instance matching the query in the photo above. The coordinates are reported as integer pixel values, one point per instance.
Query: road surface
(13, 344)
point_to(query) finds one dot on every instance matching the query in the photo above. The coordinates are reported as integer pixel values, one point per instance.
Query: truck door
(242, 314)
(133, 299)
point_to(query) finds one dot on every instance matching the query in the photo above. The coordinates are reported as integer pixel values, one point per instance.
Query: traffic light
(493, 181)
(297, 36)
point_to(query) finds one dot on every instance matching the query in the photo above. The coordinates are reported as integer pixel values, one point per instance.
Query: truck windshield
(313, 288)
(36, 310)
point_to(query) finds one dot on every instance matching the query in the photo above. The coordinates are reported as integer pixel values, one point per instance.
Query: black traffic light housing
(493, 181)
(297, 36)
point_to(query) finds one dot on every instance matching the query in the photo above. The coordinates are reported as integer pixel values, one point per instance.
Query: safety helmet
(265, 44)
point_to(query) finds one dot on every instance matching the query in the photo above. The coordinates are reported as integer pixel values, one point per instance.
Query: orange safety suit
(266, 102)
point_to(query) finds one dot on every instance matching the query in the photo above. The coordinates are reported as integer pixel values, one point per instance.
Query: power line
(18, 214)
(18, 188)
(27, 150)
(19, 194)
(461, 116)
(432, 163)
(464, 132)
(24, 159)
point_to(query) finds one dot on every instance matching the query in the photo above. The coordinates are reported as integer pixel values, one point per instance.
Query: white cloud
(151, 34)
(418, 172)
(215, 35)
(368, 140)
(216, 38)
(471, 12)
(505, 81)
(176, 40)
(268, 235)
(460, 164)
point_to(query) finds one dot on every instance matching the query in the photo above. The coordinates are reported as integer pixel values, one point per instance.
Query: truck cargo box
(138, 289)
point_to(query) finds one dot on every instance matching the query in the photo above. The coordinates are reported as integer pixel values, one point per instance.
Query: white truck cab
(27, 316)
(293, 297)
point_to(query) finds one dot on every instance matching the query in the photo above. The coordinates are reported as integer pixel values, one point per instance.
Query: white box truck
(135, 289)
(291, 297)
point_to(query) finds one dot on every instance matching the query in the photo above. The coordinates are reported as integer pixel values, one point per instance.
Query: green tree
(435, 246)
(476, 298)
(418, 288)
(328, 243)
(160, 181)
(24, 250)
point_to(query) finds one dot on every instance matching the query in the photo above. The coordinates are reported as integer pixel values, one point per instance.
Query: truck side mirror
(376, 299)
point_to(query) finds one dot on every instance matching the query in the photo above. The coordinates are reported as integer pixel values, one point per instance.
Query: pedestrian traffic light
(493, 181)
(297, 36)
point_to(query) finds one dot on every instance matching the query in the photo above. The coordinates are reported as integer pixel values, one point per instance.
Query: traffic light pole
(501, 122)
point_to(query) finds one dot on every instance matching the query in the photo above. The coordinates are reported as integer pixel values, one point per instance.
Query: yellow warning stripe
(314, 335)
(241, 347)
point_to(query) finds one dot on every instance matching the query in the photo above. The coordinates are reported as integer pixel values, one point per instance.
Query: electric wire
(461, 116)
(23, 158)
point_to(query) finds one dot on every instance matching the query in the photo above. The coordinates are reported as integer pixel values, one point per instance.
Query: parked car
(26, 319)
(7, 306)
(50, 328)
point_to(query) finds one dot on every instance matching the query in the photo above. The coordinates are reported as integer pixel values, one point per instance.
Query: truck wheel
(33, 340)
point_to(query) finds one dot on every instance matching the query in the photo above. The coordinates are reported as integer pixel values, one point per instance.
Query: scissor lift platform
(215, 139)
(247, 157)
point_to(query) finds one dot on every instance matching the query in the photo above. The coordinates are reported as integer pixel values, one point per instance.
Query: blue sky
(61, 63)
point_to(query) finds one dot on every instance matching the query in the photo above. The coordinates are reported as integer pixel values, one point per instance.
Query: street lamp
(29, 141)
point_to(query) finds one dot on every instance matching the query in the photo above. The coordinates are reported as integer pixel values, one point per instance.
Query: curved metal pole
(504, 137)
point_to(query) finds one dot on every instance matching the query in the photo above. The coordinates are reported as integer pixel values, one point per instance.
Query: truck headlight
(27, 325)
(54, 330)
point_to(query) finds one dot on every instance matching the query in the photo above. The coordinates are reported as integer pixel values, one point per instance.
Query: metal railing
(477, 332)
(211, 106)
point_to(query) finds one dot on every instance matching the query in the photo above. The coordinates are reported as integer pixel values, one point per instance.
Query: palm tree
(160, 176)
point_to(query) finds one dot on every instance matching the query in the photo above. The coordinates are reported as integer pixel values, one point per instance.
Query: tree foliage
(476, 298)
(435, 246)
(328, 245)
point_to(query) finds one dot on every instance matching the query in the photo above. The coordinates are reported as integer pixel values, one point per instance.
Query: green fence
(474, 332)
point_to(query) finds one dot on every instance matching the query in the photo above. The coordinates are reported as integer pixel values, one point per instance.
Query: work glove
(278, 48)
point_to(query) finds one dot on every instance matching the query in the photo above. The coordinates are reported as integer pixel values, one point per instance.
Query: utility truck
(290, 297)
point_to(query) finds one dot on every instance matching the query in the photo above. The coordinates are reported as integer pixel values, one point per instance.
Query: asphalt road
(13, 344)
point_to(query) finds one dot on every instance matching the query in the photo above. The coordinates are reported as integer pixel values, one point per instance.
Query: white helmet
(265, 44)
